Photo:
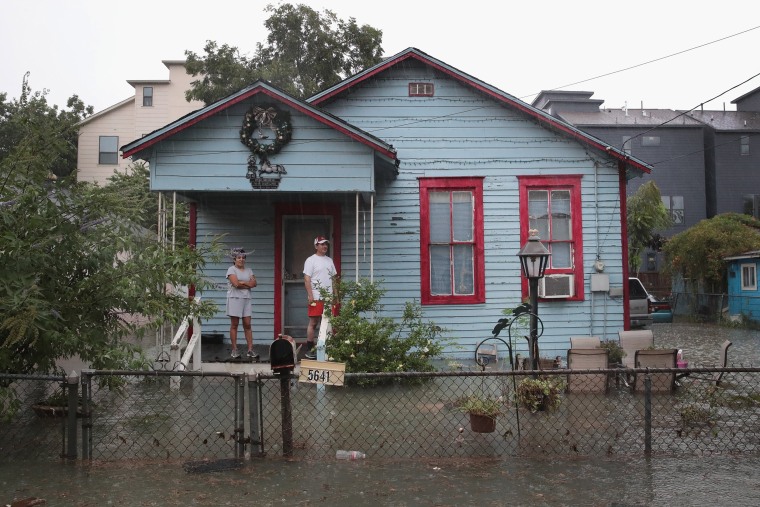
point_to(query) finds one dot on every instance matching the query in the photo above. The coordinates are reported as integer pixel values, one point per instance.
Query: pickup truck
(639, 309)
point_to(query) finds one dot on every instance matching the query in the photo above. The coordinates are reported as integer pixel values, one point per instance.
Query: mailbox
(282, 354)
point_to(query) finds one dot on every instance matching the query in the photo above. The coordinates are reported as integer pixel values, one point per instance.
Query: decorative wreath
(265, 117)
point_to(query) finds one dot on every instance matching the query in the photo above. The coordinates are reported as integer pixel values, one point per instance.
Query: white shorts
(238, 307)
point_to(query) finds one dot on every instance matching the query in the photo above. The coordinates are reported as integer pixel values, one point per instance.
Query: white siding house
(154, 104)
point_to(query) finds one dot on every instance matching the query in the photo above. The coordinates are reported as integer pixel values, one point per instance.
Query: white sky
(92, 47)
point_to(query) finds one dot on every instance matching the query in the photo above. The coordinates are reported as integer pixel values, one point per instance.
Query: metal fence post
(254, 414)
(239, 416)
(86, 416)
(647, 414)
(72, 386)
(287, 415)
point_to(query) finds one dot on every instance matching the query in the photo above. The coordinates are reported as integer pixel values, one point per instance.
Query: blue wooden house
(424, 178)
(743, 292)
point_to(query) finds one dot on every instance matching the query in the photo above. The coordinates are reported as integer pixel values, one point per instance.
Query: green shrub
(368, 342)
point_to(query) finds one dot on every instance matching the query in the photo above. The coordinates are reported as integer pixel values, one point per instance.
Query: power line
(683, 113)
(648, 62)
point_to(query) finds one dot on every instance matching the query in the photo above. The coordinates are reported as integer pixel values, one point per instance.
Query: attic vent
(420, 89)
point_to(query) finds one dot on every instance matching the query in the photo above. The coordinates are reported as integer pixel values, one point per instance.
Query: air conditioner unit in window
(556, 286)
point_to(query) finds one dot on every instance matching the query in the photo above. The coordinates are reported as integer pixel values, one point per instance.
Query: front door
(297, 230)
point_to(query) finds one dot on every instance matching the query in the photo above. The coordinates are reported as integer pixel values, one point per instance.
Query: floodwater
(665, 481)
(596, 481)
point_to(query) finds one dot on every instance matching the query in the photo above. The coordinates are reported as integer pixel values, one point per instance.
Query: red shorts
(316, 309)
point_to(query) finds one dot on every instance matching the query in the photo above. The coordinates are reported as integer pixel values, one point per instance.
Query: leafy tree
(697, 254)
(77, 272)
(646, 214)
(30, 123)
(305, 52)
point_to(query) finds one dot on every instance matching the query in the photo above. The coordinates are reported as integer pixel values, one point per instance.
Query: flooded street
(455, 481)
(271, 482)
(701, 343)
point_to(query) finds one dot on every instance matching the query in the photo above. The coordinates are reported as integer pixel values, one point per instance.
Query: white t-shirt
(243, 275)
(320, 269)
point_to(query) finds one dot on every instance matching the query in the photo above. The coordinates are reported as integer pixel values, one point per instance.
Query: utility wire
(648, 62)
(683, 113)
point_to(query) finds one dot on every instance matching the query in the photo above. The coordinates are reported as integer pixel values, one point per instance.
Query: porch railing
(181, 361)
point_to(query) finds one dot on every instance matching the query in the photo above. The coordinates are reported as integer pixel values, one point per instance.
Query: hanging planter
(539, 394)
(482, 423)
(483, 411)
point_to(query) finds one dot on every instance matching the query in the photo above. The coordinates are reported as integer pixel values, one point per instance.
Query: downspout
(371, 238)
(624, 243)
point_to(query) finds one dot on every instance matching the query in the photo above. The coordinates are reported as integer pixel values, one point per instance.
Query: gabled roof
(263, 88)
(127, 101)
(542, 117)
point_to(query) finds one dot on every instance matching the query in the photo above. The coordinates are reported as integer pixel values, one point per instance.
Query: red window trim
(573, 183)
(455, 183)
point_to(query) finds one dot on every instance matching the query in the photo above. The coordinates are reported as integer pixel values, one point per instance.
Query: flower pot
(482, 423)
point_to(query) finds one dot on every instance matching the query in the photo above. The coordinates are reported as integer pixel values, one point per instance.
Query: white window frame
(108, 156)
(147, 96)
(749, 276)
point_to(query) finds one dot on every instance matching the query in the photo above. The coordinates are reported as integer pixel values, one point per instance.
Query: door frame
(287, 209)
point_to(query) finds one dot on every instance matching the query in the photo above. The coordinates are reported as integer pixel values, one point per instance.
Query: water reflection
(701, 343)
(634, 481)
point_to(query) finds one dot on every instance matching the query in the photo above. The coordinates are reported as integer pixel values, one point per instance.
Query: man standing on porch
(318, 273)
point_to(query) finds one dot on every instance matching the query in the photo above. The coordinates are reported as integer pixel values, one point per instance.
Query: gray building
(704, 161)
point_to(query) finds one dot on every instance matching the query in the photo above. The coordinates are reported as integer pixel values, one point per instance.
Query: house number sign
(322, 372)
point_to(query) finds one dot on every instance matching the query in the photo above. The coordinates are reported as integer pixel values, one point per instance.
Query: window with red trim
(451, 241)
(552, 206)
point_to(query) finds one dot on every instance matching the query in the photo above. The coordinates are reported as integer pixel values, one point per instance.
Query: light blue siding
(209, 157)
(458, 132)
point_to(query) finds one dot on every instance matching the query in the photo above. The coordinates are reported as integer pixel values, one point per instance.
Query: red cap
(320, 239)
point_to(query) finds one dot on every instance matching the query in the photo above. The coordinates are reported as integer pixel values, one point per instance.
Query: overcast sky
(92, 47)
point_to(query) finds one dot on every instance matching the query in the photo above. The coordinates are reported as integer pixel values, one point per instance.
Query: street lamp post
(533, 258)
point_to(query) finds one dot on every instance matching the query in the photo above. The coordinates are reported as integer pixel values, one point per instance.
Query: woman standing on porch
(240, 281)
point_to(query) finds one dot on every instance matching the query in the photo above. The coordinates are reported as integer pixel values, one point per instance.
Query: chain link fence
(164, 415)
(416, 415)
(31, 426)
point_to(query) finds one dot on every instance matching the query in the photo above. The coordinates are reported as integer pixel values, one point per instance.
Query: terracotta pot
(482, 423)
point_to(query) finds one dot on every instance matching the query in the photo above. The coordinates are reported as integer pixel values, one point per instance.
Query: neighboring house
(732, 145)
(703, 161)
(743, 292)
(154, 104)
(424, 178)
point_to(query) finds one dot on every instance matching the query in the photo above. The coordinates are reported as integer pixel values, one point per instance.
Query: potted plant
(539, 393)
(616, 352)
(483, 411)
